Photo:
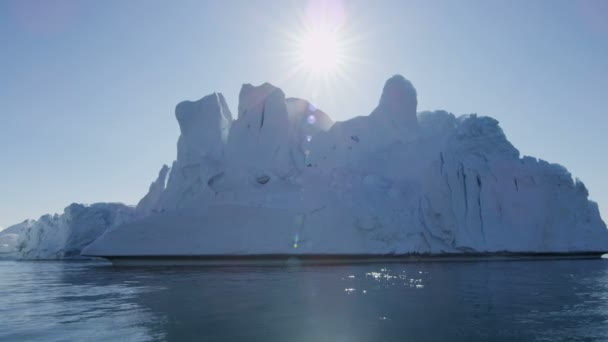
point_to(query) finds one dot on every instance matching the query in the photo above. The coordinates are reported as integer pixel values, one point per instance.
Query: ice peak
(398, 100)
(204, 126)
(259, 138)
(149, 202)
(253, 98)
(188, 111)
(399, 91)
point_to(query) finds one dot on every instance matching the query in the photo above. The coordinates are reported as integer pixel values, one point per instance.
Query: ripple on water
(536, 300)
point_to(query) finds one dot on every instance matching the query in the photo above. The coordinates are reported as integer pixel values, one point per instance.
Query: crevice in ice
(500, 215)
(464, 186)
(316, 210)
(464, 249)
(479, 206)
(423, 221)
(263, 179)
(447, 182)
(263, 114)
(214, 179)
(426, 243)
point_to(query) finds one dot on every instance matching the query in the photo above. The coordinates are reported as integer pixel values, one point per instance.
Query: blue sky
(88, 88)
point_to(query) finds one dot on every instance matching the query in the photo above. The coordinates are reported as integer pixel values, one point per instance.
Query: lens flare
(311, 119)
(296, 239)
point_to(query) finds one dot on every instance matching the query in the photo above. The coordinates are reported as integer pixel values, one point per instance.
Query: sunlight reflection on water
(539, 300)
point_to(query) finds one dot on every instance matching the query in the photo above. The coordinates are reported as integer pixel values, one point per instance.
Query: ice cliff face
(283, 178)
(9, 238)
(64, 236)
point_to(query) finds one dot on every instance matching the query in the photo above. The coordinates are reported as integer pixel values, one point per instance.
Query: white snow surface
(283, 178)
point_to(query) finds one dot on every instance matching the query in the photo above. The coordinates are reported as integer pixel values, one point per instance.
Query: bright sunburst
(320, 51)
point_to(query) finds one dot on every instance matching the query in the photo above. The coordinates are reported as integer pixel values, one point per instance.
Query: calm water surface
(439, 301)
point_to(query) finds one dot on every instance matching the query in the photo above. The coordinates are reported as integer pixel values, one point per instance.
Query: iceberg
(282, 179)
(9, 238)
(63, 236)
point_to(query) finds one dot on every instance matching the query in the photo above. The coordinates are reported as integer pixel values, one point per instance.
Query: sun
(320, 51)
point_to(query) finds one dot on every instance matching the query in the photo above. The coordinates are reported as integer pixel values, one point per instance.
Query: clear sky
(88, 88)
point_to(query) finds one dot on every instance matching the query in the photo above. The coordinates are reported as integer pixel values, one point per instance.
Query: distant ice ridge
(283, 178)
(63, 236)
(9, 238)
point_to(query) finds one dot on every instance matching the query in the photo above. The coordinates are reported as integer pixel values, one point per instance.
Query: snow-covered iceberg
(9, 238)
(283, 179)
(62, 236)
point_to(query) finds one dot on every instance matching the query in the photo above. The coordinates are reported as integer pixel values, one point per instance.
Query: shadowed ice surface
(435, 301)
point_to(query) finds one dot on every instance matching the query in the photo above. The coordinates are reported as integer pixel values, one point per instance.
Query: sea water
(427, 301)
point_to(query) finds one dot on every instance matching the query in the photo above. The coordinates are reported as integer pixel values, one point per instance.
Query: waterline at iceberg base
(282, 179)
